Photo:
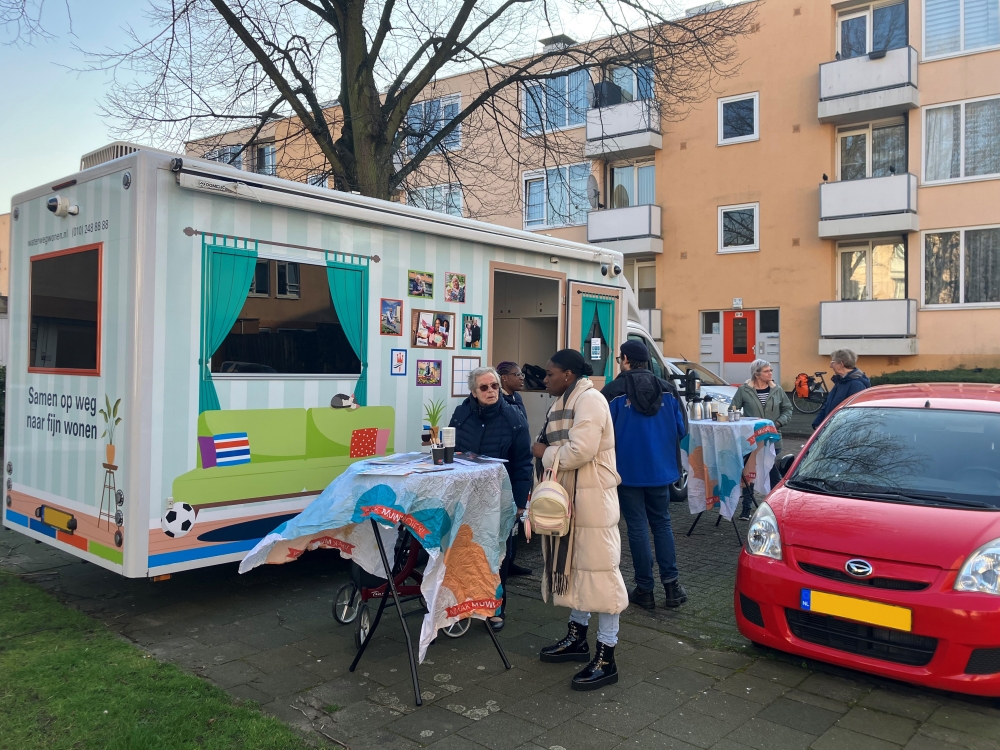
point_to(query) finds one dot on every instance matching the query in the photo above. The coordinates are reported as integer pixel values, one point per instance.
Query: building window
(232, 155)
(645, 285)
(260, 284)
(445, 199)
(288, 281)
(869, 270)
(739, 119)
(556, 103)
(318, 180)
(877, 27)
(556, 197)
(65, 307)
(739, 228)
(955, 26)
(426, 119)
(633, 185)
(962, 267)
(962, 141)
(265, 159)
(871, 150)
(635, 83)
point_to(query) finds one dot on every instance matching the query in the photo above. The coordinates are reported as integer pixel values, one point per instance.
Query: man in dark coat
(649, 425)
(847, 380)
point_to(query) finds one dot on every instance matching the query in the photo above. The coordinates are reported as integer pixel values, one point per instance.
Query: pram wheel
(363, 626)
(345, 604)
(458, 629)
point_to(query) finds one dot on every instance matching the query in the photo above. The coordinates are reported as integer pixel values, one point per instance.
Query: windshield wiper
(919, 496)
(813, 484)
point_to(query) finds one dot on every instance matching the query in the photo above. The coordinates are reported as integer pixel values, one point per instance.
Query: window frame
(99, 246)
(636, 165)
(869, 129)
(447, 189)
(755, 247)
(869, 248)
(216, 153)
(635, 82)
(265, 169)
(923, 143)
(755, 136)
(541, 82)
(412, 144)
(542, 174)
(286, 262)
(924, 305)
(253, 281)
(961, 31)
(869, 12)
(320, 180)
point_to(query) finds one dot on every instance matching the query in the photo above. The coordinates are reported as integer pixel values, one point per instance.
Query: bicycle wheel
(458, 629)
(809, 405)
(362, 626)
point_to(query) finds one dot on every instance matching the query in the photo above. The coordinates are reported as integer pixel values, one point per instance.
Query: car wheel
(679, 489)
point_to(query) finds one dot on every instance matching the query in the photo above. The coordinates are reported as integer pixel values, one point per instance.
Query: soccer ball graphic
(178, 520)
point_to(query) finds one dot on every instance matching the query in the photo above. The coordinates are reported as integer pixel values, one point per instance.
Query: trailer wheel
(119, 539)
(458, 629)
(363, 626)
(345, 604)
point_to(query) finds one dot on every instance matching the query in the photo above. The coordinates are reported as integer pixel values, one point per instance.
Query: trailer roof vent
(112, 151)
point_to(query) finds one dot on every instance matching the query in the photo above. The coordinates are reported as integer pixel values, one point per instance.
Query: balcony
(623, 131)
(875, 207)
(869, 327)
(879, 84)
(634, 230)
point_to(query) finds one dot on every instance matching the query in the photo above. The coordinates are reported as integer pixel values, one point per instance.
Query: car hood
(917, 534)
(726, 391)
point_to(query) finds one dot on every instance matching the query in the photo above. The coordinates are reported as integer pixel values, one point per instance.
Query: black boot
(600, 672)
(573, 647)
(676, 595)
(642, 597)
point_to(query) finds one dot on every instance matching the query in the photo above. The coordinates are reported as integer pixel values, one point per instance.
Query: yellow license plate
(860, 610)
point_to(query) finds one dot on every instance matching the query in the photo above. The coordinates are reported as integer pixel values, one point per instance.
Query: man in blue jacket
(649, 425)
(847, 380)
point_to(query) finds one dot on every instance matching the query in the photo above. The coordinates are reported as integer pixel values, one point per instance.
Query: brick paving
(688, 680)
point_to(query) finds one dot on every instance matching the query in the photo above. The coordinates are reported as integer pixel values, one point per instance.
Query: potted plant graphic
(111, 420)
(433, 412)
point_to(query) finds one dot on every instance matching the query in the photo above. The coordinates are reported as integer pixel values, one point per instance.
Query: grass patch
(332, 708)
(68, 682)
(958, 375)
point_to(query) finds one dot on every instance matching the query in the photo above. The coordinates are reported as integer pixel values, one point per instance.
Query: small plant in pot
(111, 420)
(433, 412)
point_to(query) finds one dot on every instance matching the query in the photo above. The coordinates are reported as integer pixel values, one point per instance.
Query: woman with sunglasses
(489, 426)
(512, 381)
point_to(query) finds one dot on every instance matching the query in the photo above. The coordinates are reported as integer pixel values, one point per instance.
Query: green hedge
(958, 375)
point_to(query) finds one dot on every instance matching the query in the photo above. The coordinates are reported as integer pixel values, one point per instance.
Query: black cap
(636, 351)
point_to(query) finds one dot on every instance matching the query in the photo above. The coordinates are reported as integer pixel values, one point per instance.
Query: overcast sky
(49, 114)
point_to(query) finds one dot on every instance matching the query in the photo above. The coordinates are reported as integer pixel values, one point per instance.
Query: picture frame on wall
(429, 372)
(397, 362)
(454, 287)
(460, 369)
(432, 329)
(420, 284)
(391, 317)
(472, 332)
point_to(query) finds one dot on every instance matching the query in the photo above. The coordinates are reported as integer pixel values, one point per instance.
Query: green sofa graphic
(293, 452)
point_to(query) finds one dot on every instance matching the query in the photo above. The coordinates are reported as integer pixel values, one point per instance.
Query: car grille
(864, 640)
(751, 610)
(984, 661)
(876, 582)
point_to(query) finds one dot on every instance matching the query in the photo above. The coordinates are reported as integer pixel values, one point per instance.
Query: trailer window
(65, 300)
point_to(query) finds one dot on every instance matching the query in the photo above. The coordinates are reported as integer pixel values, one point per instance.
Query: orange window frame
(99, 246)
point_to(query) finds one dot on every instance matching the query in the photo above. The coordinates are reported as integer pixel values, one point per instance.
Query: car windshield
(923, 456)
(707, 376)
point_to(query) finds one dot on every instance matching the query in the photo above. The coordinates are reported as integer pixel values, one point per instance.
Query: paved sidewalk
(269, 637)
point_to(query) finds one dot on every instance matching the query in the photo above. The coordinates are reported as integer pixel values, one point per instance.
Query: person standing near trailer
(512, 381)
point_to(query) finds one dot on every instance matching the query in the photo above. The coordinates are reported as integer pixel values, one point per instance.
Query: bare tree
(21, 21)
(347, 79)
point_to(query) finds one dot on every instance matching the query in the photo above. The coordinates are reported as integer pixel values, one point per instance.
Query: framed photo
(397, 362)
(472, 331)
(391, 317)
(428, 372)
(454, 287)
(420, 284)
(432, 329)
(460, 369)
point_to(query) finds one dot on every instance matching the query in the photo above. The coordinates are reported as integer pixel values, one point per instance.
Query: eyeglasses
(618, 360)
(489, 387)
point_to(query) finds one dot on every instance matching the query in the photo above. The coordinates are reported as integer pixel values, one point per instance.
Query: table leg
(736, 529)
(696, 519)
(493, 637)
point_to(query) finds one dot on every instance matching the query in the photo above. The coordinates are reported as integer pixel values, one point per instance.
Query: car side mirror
(785, 463)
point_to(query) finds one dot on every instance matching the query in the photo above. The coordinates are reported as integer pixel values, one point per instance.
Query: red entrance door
(739, 335)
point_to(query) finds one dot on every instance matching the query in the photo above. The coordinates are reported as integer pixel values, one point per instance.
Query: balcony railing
(612, 224)
(877, 205)
(868, 319)
(879, 84)
(627, 130)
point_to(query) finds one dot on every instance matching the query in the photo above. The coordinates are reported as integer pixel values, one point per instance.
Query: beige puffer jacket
(596, 583)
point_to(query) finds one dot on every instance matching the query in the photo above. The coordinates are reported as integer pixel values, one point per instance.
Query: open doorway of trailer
(593, 323)
(732, 339)
(527, 325)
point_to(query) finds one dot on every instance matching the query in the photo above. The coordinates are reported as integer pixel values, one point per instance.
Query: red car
(880, 548)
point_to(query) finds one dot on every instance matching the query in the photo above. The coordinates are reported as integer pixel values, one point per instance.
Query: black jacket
(843, 388)
(515, 399)
(497, 431)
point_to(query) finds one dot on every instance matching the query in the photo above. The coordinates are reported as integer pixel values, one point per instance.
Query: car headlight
(981, 571)
(764, 539)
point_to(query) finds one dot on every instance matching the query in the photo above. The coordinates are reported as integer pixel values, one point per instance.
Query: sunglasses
(489, 387)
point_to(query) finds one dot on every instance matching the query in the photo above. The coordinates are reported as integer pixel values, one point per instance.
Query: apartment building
(842, 190)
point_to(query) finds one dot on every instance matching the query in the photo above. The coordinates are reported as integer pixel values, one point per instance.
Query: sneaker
(676, 595)
(600, 672)
(746, 514)
(642, 598)
(573, 647)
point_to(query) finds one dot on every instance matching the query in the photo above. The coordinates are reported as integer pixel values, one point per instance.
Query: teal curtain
(606, 317)
(349, 290)
(226, 275)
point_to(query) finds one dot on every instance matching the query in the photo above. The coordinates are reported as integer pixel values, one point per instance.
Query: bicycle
(818, 391)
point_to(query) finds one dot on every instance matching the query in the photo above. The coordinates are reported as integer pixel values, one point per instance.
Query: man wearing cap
(649, 425)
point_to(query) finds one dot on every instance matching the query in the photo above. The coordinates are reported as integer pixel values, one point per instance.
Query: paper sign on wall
(595, 348)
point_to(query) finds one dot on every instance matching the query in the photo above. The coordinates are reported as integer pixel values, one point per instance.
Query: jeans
(648, 508)
(607, 625)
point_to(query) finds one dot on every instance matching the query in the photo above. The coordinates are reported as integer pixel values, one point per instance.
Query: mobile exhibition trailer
(180, 330)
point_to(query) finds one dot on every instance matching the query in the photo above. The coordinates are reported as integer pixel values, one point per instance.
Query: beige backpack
(551, 506)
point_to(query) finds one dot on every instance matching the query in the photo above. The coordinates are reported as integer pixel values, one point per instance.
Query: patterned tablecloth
(462, 517)
(713, 454)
